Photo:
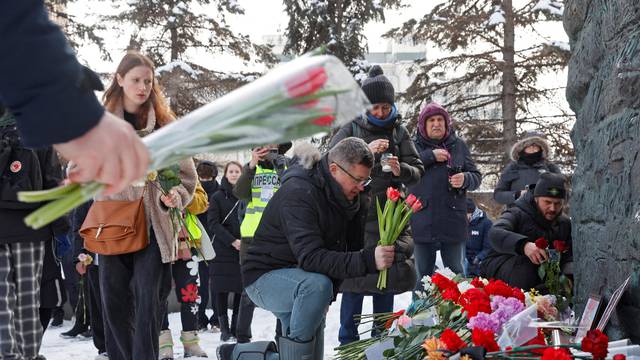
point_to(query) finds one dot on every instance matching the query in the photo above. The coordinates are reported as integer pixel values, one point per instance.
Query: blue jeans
(425, 255)
(299, 299)
(352, 305)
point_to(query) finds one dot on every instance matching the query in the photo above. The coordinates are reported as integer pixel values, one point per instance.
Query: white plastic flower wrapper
(257, 114)
(297, 99)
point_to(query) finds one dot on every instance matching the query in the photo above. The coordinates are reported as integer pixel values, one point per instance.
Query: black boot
(77, 329)
(234, 324)
(57, 317)
(225, 333)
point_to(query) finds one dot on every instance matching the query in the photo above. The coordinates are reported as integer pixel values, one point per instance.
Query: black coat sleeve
(215, 216)
(427, 157)
(41, 81)
(344, 132)
(503, 193)
(472, 176)
(242, 188)
(503, 237)
(411, 168)
(299, 218)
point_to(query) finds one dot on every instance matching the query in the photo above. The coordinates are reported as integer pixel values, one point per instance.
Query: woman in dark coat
(530, 159)
(224, 225)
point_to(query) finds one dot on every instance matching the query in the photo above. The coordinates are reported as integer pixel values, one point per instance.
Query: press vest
(264, 184)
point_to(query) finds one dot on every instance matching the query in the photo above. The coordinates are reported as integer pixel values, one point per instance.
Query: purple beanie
(430, 110)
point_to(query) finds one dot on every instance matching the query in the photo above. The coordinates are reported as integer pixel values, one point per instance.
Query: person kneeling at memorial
(310, 238)
(515, 257)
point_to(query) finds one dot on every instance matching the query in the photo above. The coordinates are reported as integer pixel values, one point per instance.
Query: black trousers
(186, 289)
(94, 304)
(245, 318)
(207, 293)
(130, 289)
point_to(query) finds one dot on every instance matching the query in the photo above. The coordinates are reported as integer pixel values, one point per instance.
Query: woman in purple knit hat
(449, 174)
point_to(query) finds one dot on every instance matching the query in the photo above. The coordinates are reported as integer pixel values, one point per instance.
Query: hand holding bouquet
(392, 220)
(297, 99)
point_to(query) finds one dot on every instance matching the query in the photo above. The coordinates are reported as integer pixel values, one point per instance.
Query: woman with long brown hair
(131, 283)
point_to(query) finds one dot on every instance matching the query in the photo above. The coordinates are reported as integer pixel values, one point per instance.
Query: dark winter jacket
(210, 187)
(444, 218)
(18, 175)
(518, 174)
(401, 276)
(309, 224)
(478, 245)
(225, 267)
(77, 218)
(518, 225)
(35, 82)
(52, 292)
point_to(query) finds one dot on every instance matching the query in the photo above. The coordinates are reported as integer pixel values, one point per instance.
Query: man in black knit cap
(515, 257)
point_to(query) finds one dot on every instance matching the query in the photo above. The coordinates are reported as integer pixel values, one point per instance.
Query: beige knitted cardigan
(156, 213)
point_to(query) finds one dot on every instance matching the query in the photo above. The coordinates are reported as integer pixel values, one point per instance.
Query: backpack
(20, 169)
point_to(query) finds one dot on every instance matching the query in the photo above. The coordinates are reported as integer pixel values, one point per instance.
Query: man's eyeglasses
(364, 182)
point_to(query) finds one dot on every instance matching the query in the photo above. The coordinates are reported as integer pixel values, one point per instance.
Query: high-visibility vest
(265, 183)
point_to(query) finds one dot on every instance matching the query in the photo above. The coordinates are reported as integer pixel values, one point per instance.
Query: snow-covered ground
(263, 328)
(56, 348)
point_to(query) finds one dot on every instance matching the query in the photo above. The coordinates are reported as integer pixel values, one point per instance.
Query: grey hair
(351, 151)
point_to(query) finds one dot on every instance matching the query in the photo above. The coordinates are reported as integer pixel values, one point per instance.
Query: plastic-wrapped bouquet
(297, 99)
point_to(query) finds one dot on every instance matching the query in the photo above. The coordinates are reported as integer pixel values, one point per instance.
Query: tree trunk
(508, 82)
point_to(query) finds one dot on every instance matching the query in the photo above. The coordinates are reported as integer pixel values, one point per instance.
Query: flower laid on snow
(556, 354)
(434, 348)
(448, 273)
(452, 341)
(485, 338)
(596, 343)
(189, 293)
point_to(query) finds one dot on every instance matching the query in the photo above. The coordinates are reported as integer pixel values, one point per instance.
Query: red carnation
(538, 340)
(556, 354)
(443, 282)
(499, 287)
(619, 357)
(189, 293)
(485, 338)
(452, 340)
(542, 243)
(518, 294)
(560, 246)
(476, 282)
(475, 301)
(596, 343)
(452, 294)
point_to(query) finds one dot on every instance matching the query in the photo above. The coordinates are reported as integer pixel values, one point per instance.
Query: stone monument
(604, 91)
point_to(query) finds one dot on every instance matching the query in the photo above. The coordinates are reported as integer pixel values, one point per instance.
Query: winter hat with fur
(377, 87)
(430, 110)
(530, 138)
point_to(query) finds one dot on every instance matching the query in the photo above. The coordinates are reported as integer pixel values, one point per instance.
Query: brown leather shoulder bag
(114, 227)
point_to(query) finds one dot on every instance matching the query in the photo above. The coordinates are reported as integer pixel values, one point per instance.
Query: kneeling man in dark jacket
(515, 258)
(309, 239)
